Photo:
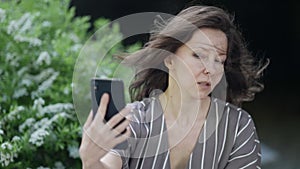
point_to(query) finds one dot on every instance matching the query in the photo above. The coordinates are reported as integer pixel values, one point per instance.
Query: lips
(204, 83)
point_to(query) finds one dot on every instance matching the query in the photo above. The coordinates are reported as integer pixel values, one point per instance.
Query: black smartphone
(114, 88)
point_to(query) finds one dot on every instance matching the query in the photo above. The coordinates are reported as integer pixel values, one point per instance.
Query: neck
(178, 106)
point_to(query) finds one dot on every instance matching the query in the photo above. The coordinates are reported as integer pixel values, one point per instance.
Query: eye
(219, 60)
(198, 55)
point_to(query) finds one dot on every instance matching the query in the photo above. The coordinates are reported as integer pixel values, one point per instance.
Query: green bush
(39, 44)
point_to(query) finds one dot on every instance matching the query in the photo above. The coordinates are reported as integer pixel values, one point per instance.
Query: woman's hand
(99, 137)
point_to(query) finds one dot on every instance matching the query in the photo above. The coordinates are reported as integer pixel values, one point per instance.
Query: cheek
(193, 68)
(185, 69)
(216, 79)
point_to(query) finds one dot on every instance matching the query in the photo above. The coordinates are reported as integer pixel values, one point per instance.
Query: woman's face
(199, 64)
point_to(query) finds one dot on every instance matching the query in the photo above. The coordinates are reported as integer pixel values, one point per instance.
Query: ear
(169, 62)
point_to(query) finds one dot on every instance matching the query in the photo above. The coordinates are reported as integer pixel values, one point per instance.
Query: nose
(208, 68)
(205, 71)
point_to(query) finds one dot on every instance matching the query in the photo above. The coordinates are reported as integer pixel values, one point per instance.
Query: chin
(201, 96)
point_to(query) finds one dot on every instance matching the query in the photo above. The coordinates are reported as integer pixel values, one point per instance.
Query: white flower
(44, 57)
(4, 98)
(6, 146)
(46, 24)
(12, 27)
(27, 24)
(46, 84)
(41, 167)
(62, 114)
(42, 75)
(54, 54)
(73, 151)
(26, 82)
(5, 159)
(21, 25)
(22, 71)
(28, 123)
(43, 124)
(59, 165)
(38, 104)
(76, 47)
(1, 132)
(74, 37)
(20, 108)
(31, 41)
(66, 91)
(35, 42)
(54, 108)
(12, 59)
(37, 137)
(2, 15)
(9, 57)
(16, 138)
(103, 76)
(20, 93)
(15, 114)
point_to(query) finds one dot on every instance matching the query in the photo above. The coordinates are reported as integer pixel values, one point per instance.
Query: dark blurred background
(272, 29)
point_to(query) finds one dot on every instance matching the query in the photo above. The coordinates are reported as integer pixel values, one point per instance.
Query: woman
(185, 124)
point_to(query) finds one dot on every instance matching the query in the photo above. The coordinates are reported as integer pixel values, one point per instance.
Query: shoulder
(236, 115)
(243, 145)
(238, 122)
(139, 109)
(142, 116)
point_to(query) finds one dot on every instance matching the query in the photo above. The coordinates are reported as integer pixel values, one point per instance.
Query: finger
(102, 109)
(121, 127)
(88, 120)
(118, 117)
(123, 137)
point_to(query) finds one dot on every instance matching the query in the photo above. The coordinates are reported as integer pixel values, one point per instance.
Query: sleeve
(246, 151)
(127, 148)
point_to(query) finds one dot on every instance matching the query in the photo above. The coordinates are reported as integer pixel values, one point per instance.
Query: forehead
(210, 39)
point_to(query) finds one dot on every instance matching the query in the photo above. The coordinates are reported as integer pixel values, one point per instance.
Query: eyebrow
(219, 50)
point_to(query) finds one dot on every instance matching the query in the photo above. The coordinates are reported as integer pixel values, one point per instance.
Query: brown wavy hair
(242, 70)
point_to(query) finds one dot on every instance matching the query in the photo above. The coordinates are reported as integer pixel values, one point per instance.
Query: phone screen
(114, 88)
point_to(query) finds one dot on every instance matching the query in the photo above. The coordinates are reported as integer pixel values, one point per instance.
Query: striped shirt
(228, 139)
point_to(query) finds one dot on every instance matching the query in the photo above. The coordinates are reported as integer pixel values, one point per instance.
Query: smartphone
(114, 88)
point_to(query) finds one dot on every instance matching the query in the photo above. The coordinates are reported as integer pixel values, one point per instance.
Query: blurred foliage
(39, 45)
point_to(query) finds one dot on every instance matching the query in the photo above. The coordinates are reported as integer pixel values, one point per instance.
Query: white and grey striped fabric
(228, 139)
